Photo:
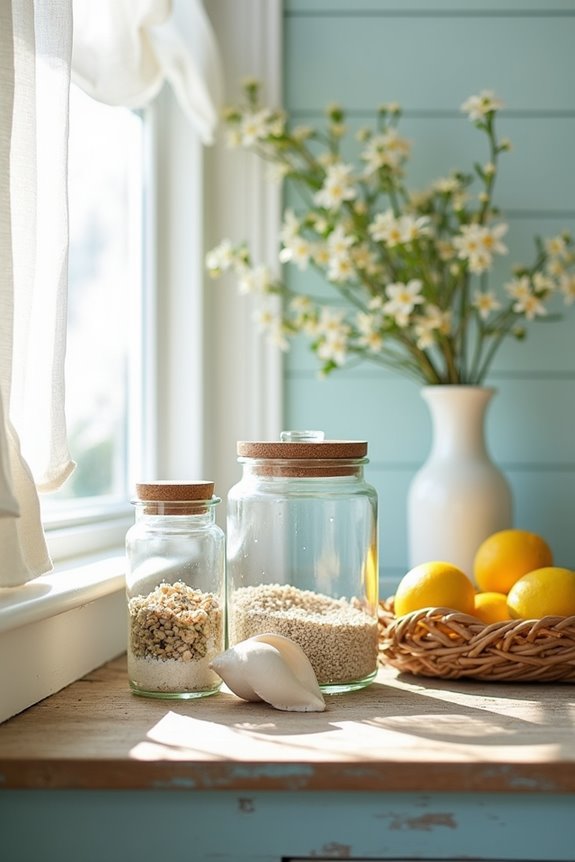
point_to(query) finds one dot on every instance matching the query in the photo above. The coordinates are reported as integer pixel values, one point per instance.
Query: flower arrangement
(410, 271)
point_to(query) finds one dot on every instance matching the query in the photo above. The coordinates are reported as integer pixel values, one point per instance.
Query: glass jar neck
(177, 512)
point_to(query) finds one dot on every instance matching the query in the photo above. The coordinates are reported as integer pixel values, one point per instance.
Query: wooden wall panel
(430, 55)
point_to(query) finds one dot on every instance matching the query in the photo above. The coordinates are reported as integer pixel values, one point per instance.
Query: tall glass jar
(302, 553)
(175, 583)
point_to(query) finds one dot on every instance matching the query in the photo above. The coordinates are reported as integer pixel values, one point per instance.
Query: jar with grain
(175, 584)
(303, 553)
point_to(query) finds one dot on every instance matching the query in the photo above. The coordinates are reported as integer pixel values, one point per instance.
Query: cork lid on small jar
(302, 447)
(186, 497)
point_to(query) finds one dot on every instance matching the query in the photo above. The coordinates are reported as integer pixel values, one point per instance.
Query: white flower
(519, 288)
(340, 269)
(396, 231)
(385, 150)
(477, 107)
(425, 334)
(221, 258)
(402, 300)
(369, 326)
(331, 320)
(334, 348)
(264, 317)
(468, 242)
(485, 302)
(477, 244)
(276, 124)
(269, 321)
(338, 242)
(567, 288)
(531, 306)
(438, 318)
(321, 254)
(426, 325)
(298, 250)
(337, 187)
(490, 239)
(277, 173)
(543, 283)
(290, 227)
(257, 280)
(327, 158)
(445, 249)
(302, 133)
(303, 310)
(386, 228)
(372, 341)
(556, 246)
(333, 332)
(480, 261)
(446, 185)
(254, 127)
(234, 138)
(320, 224)
(365, 259)
(338, 130)
(555, 267)
(460, 199)
(412, 228)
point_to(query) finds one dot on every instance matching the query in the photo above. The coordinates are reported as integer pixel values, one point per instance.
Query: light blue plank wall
(95, 826)
(430, 55)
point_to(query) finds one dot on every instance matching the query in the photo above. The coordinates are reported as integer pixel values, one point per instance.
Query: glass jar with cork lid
(302, 553)
(175, 583)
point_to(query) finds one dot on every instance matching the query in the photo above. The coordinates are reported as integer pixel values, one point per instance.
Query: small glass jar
(302, 544)
(175, 584)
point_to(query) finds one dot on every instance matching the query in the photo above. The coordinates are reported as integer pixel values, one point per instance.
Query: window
(199, 381)
(103, 379)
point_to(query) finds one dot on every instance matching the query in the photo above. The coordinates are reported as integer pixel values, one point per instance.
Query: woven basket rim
(441, 642)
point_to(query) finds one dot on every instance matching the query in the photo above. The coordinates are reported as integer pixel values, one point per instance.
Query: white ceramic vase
(459, 497)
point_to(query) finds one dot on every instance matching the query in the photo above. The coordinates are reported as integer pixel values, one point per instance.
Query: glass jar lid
(169, 497)
(304, 453)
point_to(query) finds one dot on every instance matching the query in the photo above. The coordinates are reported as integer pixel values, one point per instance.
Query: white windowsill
(70, 585)
(59, 627)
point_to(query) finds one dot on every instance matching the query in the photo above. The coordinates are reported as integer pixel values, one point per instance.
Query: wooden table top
(402, 733)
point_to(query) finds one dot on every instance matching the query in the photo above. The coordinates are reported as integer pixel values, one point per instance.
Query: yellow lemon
(546, 591)
(434, 584)
(491, 607)
(506, 556)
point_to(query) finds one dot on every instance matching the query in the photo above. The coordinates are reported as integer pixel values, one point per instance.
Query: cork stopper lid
(174, 498)
(325, 449)
(298, 447)
(162, 491)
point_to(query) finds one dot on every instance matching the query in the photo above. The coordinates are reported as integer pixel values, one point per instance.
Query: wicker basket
(439, 642)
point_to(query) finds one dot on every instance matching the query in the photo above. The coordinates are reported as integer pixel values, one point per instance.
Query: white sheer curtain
(35, 52)
(123, 52)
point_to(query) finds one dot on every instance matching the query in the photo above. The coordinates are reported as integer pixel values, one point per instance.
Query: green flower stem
(463, 323)
(489, 179)
(479, 340)
(500, 334)
(428, 369)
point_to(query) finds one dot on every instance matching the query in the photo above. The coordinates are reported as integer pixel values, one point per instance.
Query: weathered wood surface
(400, 734)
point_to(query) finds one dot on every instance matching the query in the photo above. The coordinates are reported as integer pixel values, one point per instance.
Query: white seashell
(273, 668)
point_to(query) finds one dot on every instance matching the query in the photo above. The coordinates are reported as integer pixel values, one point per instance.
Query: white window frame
(62, 625)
